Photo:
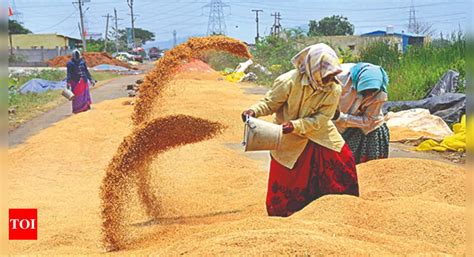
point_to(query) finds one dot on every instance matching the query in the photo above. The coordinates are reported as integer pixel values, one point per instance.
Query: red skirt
(318, 171)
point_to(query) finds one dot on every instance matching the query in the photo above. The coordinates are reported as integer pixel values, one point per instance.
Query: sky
(190, 17)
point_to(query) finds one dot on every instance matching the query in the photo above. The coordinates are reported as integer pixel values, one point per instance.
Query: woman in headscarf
(313, 159)
(78, 79)
(359, 117)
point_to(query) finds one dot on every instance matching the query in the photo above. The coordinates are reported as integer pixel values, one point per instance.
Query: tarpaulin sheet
(108, 67)
(441, 100)
(41, 85)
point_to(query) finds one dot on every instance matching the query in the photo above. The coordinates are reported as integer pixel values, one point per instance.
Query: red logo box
(23, 224)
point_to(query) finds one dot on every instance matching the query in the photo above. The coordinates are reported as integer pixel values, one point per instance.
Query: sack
(455, 142)
(260, 135)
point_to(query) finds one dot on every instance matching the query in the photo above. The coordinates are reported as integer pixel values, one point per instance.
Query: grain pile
(401, 211)
(92, 59)
(197, 70)
(167, 67)
(131, 163)
(212, 196)
(196, 65)
(402, 134)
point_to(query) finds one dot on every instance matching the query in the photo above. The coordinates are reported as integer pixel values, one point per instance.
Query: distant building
(45, 41)
(355, 43)
(351, 43)
(406, 39)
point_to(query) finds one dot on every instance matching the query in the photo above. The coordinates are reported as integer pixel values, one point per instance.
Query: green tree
(335, 25)
(141, 35)
(16, 28)
(96, 45)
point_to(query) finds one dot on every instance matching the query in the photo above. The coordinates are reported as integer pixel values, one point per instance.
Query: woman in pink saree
(78, 79)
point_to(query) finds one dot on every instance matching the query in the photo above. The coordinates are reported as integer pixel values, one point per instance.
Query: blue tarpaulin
(108, 67)
(41, 85)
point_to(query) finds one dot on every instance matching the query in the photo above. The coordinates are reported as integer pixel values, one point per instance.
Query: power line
(56, 24)
(378, 20)
(309, 9)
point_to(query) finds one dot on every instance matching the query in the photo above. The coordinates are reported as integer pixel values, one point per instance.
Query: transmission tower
(216, 25)
(412, 25)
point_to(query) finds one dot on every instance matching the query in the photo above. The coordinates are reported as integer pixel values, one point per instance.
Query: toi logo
(23, 224)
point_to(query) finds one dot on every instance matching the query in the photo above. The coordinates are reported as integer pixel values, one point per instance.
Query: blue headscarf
(368, 76)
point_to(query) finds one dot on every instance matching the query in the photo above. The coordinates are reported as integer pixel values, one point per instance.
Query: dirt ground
(213, 195)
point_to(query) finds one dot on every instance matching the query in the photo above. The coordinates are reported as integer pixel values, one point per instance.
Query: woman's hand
(246, 113)
(288, 128)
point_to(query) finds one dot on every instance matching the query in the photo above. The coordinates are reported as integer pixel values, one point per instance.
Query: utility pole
(130, 4)
(117, 36)
(82, 30)
(256, 20)
(11, 41)
(276, 28)
(106, 31)
(175, 41)
(273, 32)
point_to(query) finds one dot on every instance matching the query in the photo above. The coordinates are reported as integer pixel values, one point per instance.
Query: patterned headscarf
(317, 62)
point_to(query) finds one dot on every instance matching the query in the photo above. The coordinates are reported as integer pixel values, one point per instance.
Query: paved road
(114, 89)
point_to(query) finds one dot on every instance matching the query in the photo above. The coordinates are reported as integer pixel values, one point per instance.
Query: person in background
(313, 159)
(359, 117)
(78, 79)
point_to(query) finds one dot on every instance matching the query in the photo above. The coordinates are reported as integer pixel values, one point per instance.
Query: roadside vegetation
(411, 74)
(24, 107)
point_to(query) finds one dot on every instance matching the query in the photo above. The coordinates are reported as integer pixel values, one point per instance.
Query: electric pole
(106, 31)
(276, 28)
(82, 30)
(116, 30)
(130, 4)
(256, 20)
(274, 24)
(175, 41)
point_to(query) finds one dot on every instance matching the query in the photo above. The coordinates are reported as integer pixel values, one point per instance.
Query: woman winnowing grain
(313, 159)
(359, 117)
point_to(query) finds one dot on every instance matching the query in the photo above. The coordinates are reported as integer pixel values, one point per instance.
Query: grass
(30, 105)
(101, 76)
(420, 68)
